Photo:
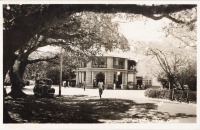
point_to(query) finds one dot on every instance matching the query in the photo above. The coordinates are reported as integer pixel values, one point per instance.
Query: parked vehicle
(43, 88)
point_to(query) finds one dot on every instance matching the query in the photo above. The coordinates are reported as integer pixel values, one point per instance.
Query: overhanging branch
(174, 20)
(45, 59)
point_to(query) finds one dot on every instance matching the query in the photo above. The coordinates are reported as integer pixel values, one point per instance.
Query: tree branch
(45, 59)
(165, 61)
(174, 20)
(17, 36)
(159, 60)
(185, 42)
(154, 17)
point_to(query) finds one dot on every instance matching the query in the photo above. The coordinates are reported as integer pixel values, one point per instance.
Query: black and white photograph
(103, 63)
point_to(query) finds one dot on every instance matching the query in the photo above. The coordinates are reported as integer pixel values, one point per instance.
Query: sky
(143, 30)
(49, 48)
(146, 30)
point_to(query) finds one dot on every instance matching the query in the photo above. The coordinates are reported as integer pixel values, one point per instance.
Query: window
(99, 62)
(121, 63)
(118, 63)
(83, 64)
(114, 61)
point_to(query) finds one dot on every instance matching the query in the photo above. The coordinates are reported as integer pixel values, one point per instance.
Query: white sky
(146, 30)
(49, 48)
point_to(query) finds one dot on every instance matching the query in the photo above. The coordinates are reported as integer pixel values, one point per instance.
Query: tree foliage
(174, 57)
(185, 33)
(36, 18)
(173, 66)
(80, 36)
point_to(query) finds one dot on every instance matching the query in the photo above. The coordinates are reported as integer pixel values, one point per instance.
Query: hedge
(167, 94)
(157, 93)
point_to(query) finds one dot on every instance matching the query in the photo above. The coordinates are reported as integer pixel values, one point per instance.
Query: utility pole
(134, 72)
(61, 61)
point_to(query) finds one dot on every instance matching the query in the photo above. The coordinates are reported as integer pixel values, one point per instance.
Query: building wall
(146, 69)
(88, 77)
(132, 78)
(109, 77)
(80, 78)
(155, 82)
(125, 78)
(89, 65)
(127, 75)
(109, 62)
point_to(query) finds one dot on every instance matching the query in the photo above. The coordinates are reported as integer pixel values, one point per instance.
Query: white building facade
(118, 72)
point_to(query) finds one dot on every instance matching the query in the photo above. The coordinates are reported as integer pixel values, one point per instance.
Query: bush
(167, 94)
(179, 95)
(157, 93)
(192, 96)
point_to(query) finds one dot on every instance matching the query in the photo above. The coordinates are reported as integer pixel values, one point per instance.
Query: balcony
(99, 66)
(133, 70)
(118, 66)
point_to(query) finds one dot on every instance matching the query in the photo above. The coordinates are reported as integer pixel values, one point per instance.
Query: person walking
(100, 85)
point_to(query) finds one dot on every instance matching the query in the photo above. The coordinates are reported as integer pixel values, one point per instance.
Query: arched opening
(100, 77)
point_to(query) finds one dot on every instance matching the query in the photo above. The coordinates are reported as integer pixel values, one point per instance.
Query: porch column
(88, 77)
(134, 78)
(125, 78)
(81, 77)
(105, 77)
(110, 77)
(77, 77)
(122, 85)
(92, 76)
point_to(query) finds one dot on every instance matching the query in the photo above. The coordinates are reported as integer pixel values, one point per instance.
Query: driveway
(154, 110)
(185, 113)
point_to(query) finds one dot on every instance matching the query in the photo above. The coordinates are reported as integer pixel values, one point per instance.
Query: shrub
(157, 93)
(192, 95)
(167, 94)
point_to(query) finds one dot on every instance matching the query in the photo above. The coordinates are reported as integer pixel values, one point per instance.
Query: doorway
(100, 77)
(118, 79)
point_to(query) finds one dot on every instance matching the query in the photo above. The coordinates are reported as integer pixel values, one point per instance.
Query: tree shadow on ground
(145, 113)
(80, 109)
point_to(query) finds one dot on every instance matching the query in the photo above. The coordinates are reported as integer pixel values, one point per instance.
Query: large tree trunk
(8, 62)
(22, 67)
(17, 79)
(16, 85)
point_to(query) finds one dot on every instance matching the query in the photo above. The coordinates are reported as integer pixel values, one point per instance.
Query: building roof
(130, 55)
(120, 54)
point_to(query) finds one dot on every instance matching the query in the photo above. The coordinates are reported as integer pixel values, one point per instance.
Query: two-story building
(117, 71)
(114, 69)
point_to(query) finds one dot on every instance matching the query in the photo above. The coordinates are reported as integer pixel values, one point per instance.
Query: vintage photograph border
(125, 126)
